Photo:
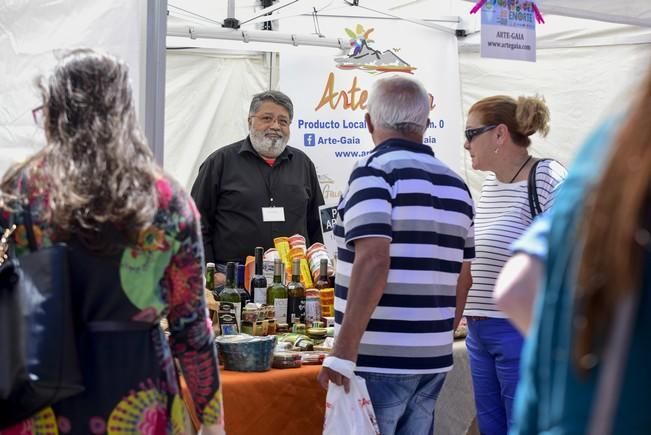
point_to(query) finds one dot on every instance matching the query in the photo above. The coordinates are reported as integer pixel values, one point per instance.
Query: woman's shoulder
(550, 169)
(173, 199)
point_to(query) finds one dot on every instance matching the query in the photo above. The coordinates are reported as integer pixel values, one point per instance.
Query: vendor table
(280, 401)
(290, 401)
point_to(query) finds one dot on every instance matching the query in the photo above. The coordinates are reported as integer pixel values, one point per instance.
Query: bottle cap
(211, 264)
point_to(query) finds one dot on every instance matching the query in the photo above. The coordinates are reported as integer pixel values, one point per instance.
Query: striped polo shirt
(402, 192)
(502, 217)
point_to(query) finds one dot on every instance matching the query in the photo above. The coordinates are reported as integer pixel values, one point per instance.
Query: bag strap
(29, 229)
(532, 191)
(615, 357)
(27, 212)
(11, 243)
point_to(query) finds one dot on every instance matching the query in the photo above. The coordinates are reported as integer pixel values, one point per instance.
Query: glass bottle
(277, 295)
(239, 285)
(230, 293)
(210, 276)
(323, 281)
(312, 307)
(296, 296)
(258, 281)
(326, 291)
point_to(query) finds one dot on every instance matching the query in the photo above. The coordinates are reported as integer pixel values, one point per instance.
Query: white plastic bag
(349, 413)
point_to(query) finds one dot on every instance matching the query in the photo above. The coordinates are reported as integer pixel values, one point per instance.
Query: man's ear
(369, 124)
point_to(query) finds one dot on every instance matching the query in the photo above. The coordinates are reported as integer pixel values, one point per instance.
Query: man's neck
(382, 135)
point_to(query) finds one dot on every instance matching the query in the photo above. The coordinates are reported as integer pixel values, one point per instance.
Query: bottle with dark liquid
(210, 276)
(239, 284)
(296, 296)
(258, 281)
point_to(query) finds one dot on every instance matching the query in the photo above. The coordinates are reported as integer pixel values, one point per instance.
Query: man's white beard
(266, 146)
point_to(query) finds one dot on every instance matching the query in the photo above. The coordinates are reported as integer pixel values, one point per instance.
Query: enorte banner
(330, 91)
(508, 30)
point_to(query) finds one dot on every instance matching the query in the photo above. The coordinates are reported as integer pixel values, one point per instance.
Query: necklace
(521, 167)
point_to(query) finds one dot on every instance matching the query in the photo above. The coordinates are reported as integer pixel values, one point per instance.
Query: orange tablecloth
(287, 401)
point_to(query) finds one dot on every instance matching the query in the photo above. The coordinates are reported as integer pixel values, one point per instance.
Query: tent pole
(154, 121)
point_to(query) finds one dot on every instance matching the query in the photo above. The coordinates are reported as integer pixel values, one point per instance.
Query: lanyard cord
(267, 184)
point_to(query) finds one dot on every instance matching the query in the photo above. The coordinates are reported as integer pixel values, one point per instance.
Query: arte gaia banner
(330, 91)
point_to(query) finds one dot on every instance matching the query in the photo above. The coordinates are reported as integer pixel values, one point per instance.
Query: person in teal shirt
(557, 389)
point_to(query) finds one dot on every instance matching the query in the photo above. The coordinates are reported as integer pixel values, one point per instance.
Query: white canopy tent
(590, 54)
(588, 60)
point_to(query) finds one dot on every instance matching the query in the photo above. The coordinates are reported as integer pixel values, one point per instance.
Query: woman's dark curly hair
(96, 169)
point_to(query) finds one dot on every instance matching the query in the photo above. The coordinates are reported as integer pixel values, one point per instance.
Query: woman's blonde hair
(96, 170)
(615, 229)
(523, 117)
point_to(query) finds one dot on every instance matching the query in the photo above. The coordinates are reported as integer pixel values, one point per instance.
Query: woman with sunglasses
(497, 139)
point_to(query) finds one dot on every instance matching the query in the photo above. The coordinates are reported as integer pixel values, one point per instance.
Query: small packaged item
(282, 328)
(286, 360)
(313, 357)
(298, 328)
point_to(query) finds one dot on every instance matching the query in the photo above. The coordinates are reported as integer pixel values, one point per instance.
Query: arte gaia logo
(364, 57)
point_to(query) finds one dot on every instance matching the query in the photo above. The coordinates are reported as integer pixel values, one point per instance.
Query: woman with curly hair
(135, 255)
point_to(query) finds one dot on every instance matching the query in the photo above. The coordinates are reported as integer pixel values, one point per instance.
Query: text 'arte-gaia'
(353, 98)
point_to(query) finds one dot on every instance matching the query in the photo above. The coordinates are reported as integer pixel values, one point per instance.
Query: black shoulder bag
(532, 191)
(38, 364)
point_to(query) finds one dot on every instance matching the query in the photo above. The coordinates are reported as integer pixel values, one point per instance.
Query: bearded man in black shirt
(258, 188)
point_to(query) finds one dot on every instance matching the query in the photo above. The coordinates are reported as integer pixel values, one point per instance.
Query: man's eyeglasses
(471, 133)
(268, 119)
(37, 115)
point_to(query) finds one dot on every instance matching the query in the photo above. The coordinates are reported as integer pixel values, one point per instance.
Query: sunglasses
(471, 133)
(37, 116)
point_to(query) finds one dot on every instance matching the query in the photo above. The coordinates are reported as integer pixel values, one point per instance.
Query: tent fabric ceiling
(636, 12)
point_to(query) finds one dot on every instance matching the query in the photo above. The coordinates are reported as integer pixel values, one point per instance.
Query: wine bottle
(258, 281)
(277, 295)
(326, 292)
(230, 293)
(296, 296)
(323, 281)
(210, 276)
(239, 285)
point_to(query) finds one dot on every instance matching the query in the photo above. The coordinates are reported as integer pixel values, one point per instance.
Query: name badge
(273, 214)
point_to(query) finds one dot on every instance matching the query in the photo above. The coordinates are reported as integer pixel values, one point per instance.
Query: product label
(327, 296)
(312, 310)
(268, 272)
(238, 316)
(296, 310)
(280, 307)
(260, 295)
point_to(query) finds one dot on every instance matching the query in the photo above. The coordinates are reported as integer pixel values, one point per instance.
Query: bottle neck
(258, 261)
(230, 276)
(323, 272)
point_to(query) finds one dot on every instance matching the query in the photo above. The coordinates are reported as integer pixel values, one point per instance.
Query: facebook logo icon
(309, 139)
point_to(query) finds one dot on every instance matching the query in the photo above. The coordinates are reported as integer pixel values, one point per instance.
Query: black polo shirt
(233, 185)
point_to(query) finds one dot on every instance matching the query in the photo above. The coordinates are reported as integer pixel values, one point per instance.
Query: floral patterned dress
(130, 378)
